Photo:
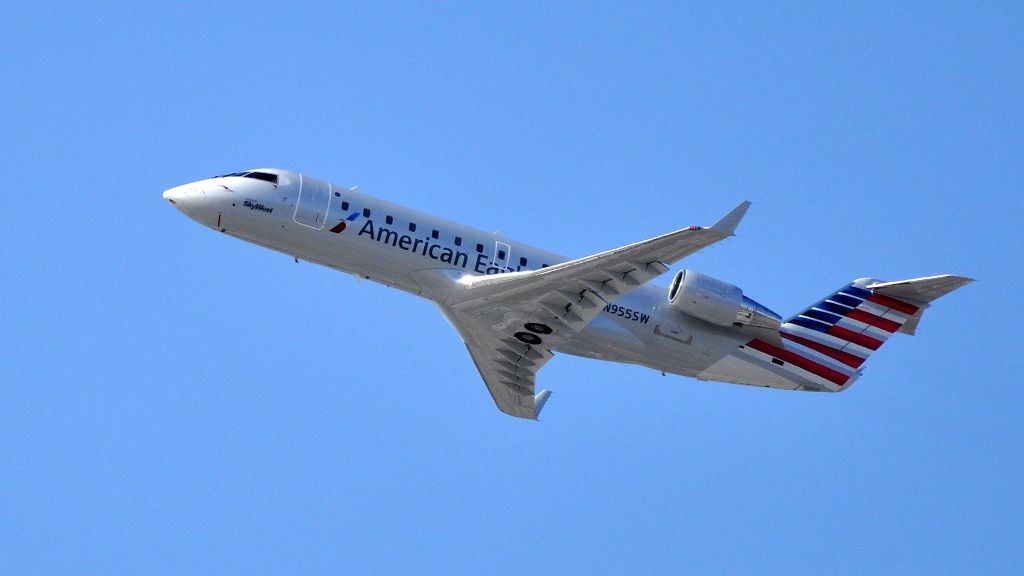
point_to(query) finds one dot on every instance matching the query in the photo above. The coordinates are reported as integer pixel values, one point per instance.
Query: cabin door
(313, 202)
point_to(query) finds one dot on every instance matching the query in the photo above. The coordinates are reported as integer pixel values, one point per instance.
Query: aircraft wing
(572, 293)
(491, 312)
(508, 366)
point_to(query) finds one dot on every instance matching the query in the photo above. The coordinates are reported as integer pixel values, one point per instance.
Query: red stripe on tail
(854, 337)
(795, 359)
(872, 320)
(892, 303)
(844, 357)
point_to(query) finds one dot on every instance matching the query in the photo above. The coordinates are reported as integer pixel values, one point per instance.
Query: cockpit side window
(265, 176)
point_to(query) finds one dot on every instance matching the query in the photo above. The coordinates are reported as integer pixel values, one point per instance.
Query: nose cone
(199, 201)
(176, 196)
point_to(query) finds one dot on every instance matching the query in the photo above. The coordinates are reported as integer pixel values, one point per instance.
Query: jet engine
(717, 302)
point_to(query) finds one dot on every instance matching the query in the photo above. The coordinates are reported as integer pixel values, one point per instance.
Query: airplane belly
(604, 339)
(735, 369)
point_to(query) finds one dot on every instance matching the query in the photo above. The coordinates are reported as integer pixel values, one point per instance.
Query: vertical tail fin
(825, 346)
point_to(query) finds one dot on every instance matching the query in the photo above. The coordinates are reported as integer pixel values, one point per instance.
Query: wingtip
(729, 222)
(539, 400)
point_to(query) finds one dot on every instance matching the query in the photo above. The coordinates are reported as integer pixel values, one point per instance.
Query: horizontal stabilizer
(922, 290)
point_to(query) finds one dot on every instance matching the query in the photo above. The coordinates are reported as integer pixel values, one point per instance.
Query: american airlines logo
(340, 226)
(427, 246)
(257, 206)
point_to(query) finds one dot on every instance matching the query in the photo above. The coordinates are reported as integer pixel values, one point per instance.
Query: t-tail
(824, 347)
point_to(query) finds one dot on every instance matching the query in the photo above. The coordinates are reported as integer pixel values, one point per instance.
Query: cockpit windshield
(265, 176)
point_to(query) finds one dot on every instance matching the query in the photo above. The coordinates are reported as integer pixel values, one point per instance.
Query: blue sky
(176, 401)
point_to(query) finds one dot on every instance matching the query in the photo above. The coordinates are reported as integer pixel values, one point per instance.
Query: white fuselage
(425, 255)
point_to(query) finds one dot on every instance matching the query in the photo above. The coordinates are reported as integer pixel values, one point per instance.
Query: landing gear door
(502, 256)
(314, 200)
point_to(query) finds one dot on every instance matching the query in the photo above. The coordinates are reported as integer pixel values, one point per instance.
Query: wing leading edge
(489, 311)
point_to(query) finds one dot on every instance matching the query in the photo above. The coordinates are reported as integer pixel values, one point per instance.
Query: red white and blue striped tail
(824, 347)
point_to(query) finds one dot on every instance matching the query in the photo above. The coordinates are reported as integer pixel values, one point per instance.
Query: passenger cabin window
(344, 205)
(366, 212)
(434, 234)
(389, 220)
(522, 261)
(412, 226)
(480, 248)
(458, 240)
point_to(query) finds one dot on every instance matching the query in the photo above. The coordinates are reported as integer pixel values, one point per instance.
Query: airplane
(515, 305)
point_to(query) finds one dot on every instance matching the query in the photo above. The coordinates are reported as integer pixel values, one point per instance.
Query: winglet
(727, 225)
(539, 400)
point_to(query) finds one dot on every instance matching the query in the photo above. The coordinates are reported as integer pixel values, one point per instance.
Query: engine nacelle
(717, 302)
